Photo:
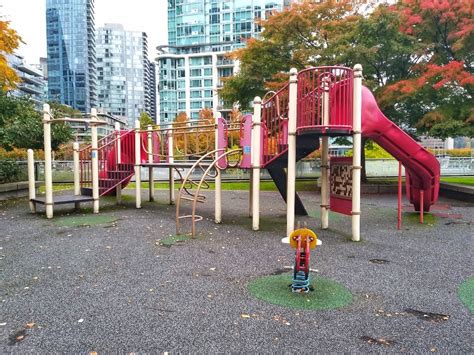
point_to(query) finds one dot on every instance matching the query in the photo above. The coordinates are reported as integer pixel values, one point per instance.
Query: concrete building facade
(193, 64)
(32, 82)
(124, 72)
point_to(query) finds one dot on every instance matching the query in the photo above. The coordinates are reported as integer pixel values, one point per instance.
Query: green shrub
(9, 171)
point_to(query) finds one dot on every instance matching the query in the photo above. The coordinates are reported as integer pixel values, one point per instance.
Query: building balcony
(30, 89)
(32, 80)
(225, 63)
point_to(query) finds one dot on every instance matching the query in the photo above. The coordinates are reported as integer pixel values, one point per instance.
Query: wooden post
(291, 171)
(31, 180)
(48, 169)
(95, 161)
(138, 176)
(325, 159)
(171, 161)
(256, 138)
(357, 152)
(218, 178)
(76, 170)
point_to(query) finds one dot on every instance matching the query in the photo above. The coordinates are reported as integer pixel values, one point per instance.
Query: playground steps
(305, 145)
(124, 171)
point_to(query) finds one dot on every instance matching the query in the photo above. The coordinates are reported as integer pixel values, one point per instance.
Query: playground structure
(316, 104)
(49, 200)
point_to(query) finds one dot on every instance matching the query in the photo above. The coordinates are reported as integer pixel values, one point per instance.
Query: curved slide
(422, 168)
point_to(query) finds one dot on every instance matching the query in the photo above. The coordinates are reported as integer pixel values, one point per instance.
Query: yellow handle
(306, 234)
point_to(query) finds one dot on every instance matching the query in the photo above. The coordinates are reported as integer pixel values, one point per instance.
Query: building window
(196, 83)
(195, 61)
(195, 72)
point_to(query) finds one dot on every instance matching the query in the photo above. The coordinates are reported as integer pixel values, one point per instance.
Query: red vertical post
(422, 201)
(399, 222)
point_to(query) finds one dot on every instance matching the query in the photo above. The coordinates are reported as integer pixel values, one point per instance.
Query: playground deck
(121, 281)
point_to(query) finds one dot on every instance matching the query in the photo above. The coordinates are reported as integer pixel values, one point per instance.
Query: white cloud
(28, 18)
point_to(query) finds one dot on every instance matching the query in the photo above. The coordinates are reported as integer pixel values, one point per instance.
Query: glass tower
(71, 53)
(124, 73)
(193, 64)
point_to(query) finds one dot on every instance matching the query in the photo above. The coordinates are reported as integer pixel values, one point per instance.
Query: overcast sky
(28, 18)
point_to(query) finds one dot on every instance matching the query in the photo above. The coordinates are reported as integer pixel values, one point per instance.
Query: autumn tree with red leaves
(438, 93)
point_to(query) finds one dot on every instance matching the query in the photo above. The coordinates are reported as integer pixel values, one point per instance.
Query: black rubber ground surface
(112, 287)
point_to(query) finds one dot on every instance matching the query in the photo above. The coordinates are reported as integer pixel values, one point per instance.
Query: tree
(438, 95)
(295, 37)
(21, 126)
(9, 41)
(145, 120)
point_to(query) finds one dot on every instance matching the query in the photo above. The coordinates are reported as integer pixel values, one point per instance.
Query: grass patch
(462, 180)
(466, 293)
(84, 220)
(275, 289)
(414, 218)
(301, 185)
(56, 187)
(172, 240)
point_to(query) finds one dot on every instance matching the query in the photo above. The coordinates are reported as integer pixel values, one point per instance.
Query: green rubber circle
(275, 289)
(466, 293)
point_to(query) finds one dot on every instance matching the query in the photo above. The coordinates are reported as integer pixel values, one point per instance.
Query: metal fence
(63, 170)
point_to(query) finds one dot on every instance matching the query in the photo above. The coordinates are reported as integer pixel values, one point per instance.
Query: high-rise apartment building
(193, 64)
(32, 82)
(125, 75)
(71, 53)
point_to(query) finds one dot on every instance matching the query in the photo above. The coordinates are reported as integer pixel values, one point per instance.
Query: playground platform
(122, 282)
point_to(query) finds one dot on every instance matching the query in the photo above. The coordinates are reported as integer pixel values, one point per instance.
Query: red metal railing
(275, 125)
(112, 171)
(337, 82)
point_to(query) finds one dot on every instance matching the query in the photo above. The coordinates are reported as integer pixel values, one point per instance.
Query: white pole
(77, 180)
(256, 137)
(118, 149)
(151, 182)
(251, 189)
(48, 174)
(95, 161)
(218, 179)
(31, 180)
(291, 171)
(357, 151)
(138, 178)
(325, 160)
(171, 170)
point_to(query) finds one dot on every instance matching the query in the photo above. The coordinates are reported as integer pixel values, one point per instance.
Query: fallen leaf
(80, 320)
(244, 316)
(30, 325)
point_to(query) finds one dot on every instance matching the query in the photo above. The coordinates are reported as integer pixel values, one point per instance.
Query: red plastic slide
(422, 168)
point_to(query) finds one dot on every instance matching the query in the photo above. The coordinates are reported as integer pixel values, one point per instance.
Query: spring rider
(303, 240)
